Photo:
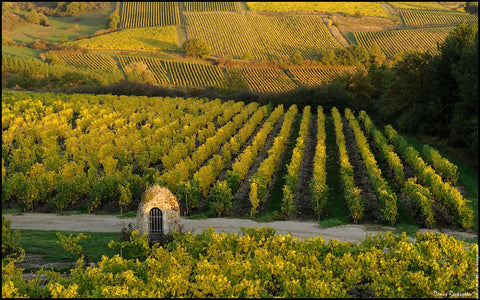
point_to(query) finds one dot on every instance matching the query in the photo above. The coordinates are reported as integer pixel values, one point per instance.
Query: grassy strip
(336, 213)
(45, 243)
(274, 202)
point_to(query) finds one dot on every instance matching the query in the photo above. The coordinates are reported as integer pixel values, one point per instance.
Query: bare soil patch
(366, 23)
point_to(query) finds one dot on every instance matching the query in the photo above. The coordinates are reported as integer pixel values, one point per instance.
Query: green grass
(45, 243)
(21, 52)
(85, 24)
(130, 214)
(71, 212)
(336, 213)
(14, 210)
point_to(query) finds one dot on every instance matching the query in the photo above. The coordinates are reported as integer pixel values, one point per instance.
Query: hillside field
(314, 117)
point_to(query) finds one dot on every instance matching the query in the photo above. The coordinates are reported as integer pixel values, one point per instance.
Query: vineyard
(258, 263)
(315, 76)
(267, 80)
(211, 6)
(419, 5)
(295, 146)
(66, 151)
(366, 8)
(262, 80)
(138, 39)
(393, 42)
(149, 14)
(413, 17)
(261, 37)
(94, 61)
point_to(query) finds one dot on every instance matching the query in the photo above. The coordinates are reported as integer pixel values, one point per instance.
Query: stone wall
(163, 199)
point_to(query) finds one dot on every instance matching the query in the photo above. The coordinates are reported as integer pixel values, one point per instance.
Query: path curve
(111, 223)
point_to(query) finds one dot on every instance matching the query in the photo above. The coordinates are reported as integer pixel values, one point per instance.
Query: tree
(139, 72)
(247, 56)
(43, 20)
(445, 88)
(376, 54)
(358, 54)
(63, 37)
(196, 48)
(76, 8)
(406, 96)
(113, 20)
(33, 17)
(296, 58)
(471, 7)
(328, 57)
(464, 123)
(232, 82)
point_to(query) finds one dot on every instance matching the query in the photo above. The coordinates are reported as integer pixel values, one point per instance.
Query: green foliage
(70, 243)
(253, 197)
(296, 58)
(287, 201)
(11, 247)
(63, 37)
(196, 48)
(232, 82)
(139, 72)
(137, 248)
(233, 180)
(328, 57)
(188, 194)
(33, 17)
(113, 20)
(220, 198)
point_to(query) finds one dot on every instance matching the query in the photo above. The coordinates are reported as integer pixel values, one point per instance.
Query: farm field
(393, 42)
(413, 17)
(366, 8)
(235, 34)
(139, 39)
(239, 149)
(149, 14)
(134, 150)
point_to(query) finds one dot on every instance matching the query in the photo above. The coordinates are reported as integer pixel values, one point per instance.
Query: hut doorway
(156, 223)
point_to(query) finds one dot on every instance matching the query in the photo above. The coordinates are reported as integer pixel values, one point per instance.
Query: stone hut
(158, 213)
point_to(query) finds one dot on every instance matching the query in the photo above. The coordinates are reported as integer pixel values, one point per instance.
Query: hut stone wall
(163, 199)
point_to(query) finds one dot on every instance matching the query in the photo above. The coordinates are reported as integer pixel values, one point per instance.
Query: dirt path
(109, 223)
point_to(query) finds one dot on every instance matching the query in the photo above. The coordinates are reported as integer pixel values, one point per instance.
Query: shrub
(113, 20)
(296, 58)
(196, 48)
(10, 240)
(188, 194)
(63, 37)
(220, 198)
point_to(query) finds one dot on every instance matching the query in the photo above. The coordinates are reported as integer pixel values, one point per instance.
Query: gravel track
(111, 223)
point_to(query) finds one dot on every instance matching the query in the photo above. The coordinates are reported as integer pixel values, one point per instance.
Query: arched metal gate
(155, 223)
